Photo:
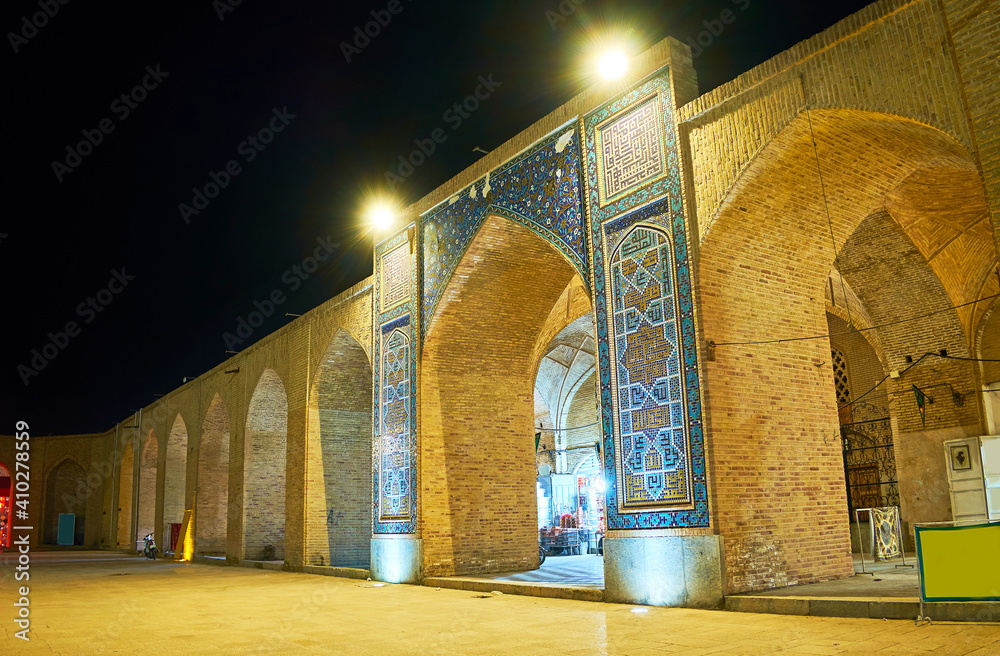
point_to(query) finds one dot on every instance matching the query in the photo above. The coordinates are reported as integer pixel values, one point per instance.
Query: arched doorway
(264, 471)
(507, 299)
(147, 487)
(764, 277)
(66, 493)
(175, 483)
(340, 457)
(212, 491)
(125, 498)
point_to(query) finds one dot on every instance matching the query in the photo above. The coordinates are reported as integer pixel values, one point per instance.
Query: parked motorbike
(149, 549)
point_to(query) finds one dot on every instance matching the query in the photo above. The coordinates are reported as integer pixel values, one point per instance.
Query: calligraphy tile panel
(631, 150)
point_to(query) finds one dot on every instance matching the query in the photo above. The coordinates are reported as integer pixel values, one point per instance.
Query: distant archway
(66, 492)
(175, 480)
(212, 491)
(339, 525)
(147, 487)
(125, 498)
(264, 471)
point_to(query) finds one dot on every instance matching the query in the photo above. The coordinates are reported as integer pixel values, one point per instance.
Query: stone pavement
(105, 603)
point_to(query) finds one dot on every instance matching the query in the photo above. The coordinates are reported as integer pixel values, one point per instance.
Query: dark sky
(110, 211)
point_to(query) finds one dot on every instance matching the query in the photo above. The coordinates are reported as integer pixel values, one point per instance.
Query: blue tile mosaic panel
(394, 444)
(650, 396)
(540, 189)
(396, 440)
(652, 436)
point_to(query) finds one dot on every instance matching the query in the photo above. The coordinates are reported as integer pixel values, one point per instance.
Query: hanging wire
(915, 363)
(829, 218)
(566, 430)
(856, 330)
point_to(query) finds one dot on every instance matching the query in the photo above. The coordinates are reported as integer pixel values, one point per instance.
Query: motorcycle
(149, 549)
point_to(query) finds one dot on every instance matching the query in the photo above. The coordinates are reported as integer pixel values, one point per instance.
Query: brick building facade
(703, 283)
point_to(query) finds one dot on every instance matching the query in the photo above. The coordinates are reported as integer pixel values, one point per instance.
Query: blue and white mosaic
(647, 343)
(539, 189)
(394, 442)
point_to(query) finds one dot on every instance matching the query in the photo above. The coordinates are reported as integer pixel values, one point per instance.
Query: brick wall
(340, 464)
(264, 471)
(477, 469)
(60, 492)
(124, 538)
(211, 511)
(174, 477)
(147, 488)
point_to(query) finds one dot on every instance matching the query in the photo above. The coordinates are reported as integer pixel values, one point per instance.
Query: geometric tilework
(632, 234)
(653, 452)
(630, 149)
(539, 189)
(394, 445)
(396, 440)
(395, 277)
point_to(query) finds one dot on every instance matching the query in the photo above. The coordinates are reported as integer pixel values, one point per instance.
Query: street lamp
(612, 64)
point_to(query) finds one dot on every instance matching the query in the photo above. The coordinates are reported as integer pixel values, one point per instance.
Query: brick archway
(339, 457)
(477, 484)
(264, 470)
(764, 263)
(148, 476)
(174, 478)
(212, 491)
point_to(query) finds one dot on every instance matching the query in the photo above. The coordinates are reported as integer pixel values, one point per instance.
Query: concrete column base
(683, 571)
(397, 559)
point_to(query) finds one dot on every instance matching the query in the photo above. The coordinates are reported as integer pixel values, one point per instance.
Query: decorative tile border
(395, 391)
(657, 205)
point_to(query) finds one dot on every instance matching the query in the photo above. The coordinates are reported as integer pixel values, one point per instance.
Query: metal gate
(869, 459)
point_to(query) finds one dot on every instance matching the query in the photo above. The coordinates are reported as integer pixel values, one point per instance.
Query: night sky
(94, 234)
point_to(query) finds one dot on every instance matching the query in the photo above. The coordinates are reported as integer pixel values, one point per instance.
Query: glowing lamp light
(381, 217)
(613, 65)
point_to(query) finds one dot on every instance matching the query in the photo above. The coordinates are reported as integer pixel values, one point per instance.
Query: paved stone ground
(104, 603)
(577, 571)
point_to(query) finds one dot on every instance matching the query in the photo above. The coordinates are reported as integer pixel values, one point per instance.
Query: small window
(840, 377)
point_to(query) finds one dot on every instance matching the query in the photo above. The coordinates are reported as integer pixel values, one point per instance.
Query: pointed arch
(212, 491)
(175, 480)
(477, 379)
(339, 457)
(124, 507)
(66, 491)
(264, 470)
(148, 476)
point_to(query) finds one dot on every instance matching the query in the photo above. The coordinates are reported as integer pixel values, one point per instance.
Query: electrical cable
(829, 219)
(856, 330)
(879, 383)
(560, 430)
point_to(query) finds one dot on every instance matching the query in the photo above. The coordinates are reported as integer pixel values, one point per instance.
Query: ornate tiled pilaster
(651, 414)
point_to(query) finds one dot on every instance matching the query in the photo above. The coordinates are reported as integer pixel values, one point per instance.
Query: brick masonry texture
(477, 466)
(851, 181)
(264, 471)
